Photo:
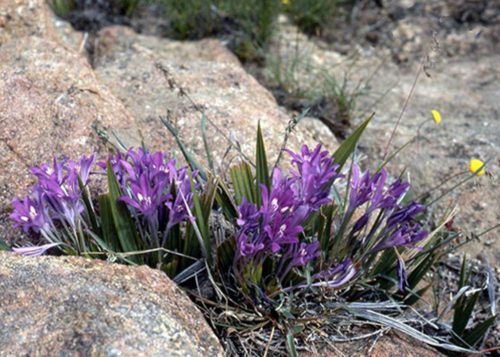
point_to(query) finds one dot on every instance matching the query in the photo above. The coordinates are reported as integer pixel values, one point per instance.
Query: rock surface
(19, 18)
(50, 101)
(150, 75)
(73, 306)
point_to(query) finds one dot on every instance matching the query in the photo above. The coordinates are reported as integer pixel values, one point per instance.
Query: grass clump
(311, 16)
(62, 7)
(299, 84)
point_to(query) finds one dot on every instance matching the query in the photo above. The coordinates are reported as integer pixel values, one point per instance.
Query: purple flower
(54, 173)
(248, 215)
(401, 229)
(249, 240)
(314, 176)
(55, 196)
(283, 230)
(85, 166)
(334, 277)
(246, 248)
(116, 165)
(405, 214)
(279, 199)
(34, 251)
(29, 214)
(405, 235)
(144, 198)
(395, 225)
(366, 188)
(153, 186)
(304, 253)
(184, 196)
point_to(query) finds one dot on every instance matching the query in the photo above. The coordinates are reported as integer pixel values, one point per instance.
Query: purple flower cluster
(156, 191)
(55, 197)
(274, 228)
(153, 187)
(313, 177)
(395, 225)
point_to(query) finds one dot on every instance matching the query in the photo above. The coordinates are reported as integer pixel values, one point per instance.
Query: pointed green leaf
(108, 232)
(124, 225)
(242, 179)
(420, 270)
(326, 230)
(290, 344)
(262, 170)
(347, 147)
(385, 263)
(202, 223)
(463, 274)
(225, 255)
(463, 312)
(473, 336)
(205, 142)
(225, 201)
(193, 164)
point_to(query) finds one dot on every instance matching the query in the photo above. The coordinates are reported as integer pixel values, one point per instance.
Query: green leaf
(3, 245)
(420, 270)
(463, 274)
(242, 179)
(385, 263)
(170, 268)
(205, 142)
(108, 232)
(324, 232)
(225, 201)
(193, 164)
(463, 312)
(298, 328)
(347, 147)
(124, 225)
(473, 336)
(290, 344)
(262, 170)
(225, 254)
(201, 210)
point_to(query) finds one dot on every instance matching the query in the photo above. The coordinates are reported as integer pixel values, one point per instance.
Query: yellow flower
(474, 167)
(436, 116)
(285, 2)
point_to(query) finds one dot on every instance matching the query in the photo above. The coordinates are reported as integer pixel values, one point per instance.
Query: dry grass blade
(388, 321)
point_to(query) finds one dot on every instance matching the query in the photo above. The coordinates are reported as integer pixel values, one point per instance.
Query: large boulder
(67, 306)
(50, 100)
(19, 18)
(50, 104)
(161, 77)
